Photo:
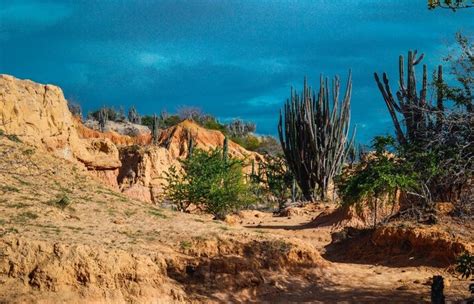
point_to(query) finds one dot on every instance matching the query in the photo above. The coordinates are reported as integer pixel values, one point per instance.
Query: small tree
(133, 116)
(211, 180)
(381, 175)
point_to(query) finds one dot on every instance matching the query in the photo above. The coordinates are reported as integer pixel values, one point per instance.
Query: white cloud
(149, 59)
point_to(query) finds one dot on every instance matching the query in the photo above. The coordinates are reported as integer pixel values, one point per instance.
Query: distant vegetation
(239, 131)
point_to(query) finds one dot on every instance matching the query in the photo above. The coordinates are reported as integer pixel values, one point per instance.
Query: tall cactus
(191, 145)
(314, 134)
(225, 149)
(154, 129)
(103, 118)
(416, 111)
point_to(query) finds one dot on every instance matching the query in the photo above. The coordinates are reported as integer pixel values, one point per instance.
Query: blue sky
(231, 58)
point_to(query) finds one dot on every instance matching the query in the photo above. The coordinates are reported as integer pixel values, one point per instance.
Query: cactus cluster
(314, 134)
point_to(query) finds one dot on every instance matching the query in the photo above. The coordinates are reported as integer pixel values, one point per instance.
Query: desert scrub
(61, 202)
(157, 213)
(26, 216)
(8, 188)
(380, 176)
(14, 138)
(209, 179)
(185, 245)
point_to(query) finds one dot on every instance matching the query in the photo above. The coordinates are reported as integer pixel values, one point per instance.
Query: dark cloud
(232, 58)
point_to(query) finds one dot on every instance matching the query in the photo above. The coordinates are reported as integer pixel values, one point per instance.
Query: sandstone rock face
(39, 115)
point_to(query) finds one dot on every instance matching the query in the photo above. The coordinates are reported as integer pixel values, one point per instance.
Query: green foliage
(380, 174)
(276, 178)
(2, 132)
(164, 121)
(434, 138)
(212, 123)
(450, 4)
(62, 202)
(269, 145)
(111, 113)
(14, 138)
(209, 181)
(465, 265)
(249, 141)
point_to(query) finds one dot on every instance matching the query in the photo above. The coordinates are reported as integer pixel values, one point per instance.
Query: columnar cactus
(416, 111)
(103, 118)
(314, 135)
(155, 131)
(133, 116)
(225, 149)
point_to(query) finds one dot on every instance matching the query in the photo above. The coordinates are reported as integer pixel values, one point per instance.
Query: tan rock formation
(176, 140)
(39, 115)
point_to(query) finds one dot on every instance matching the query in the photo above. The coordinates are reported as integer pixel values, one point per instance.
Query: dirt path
(363, 282)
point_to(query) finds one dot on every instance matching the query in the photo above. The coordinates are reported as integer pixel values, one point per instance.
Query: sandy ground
(346, 282)
(261, 258)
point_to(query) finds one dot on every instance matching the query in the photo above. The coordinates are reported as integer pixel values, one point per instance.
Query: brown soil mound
(398, 245)
(344, 216)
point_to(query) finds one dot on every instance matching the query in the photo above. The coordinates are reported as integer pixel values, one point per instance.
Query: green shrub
(14, 138)
(209, 180)
(211, 123)
(275, 178)
(111, 113)
(61, 202)
(381, 174)
(249, 142)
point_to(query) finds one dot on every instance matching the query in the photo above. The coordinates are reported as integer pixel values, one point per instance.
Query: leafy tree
(211, 180)
(461, 64)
